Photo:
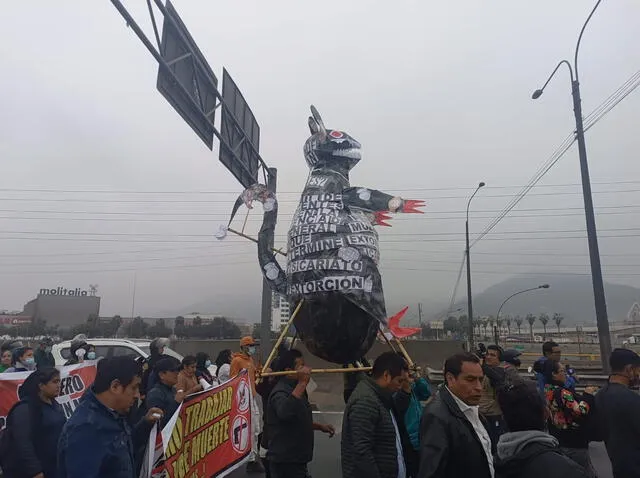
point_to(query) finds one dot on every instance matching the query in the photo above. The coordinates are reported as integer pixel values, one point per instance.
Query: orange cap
(247, 341)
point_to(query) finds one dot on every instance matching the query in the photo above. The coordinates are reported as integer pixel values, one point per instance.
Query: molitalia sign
(77, 292)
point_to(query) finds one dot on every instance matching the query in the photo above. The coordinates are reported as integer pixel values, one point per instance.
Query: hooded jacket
(533, 454)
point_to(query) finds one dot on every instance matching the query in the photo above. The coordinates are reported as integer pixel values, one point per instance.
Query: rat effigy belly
(335, 329)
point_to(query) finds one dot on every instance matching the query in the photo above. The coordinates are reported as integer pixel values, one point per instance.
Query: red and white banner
(75, 380)
(208, 436)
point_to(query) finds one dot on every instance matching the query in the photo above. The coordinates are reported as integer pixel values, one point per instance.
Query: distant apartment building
(280, 312)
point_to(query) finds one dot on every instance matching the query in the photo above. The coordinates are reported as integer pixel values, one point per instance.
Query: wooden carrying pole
(318, 370)
(283, 334)
(253, 239)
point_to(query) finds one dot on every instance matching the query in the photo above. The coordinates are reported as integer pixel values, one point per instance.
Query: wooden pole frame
(349, 369)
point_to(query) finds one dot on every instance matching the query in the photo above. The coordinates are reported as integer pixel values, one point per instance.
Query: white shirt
(402, 471)
(472, 414)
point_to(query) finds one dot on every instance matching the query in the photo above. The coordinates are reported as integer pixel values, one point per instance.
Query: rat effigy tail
(271, 269)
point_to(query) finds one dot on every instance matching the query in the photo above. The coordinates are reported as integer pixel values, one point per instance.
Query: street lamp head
(536, 94)
(481, 185)
(543, 286)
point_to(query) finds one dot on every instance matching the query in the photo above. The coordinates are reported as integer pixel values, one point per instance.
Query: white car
(110, 348)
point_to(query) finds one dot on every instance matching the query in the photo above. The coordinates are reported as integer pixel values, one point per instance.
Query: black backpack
(6, 439)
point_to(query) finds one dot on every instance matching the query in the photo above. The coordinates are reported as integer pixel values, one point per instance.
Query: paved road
(326, 462)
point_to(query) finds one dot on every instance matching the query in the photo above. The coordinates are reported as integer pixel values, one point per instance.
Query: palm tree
(557, 318)
(499, 323)
(519, 321)
(531, 319)
(544, 319)
(485, 322)
(508, 322)
(478, 323)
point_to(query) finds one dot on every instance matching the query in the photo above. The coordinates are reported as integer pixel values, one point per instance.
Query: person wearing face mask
(619, 413)
(78, 352)
(5, 360)
(247, 359)
(44, 357)
(203, 362)
(23, 360)
(569, 413)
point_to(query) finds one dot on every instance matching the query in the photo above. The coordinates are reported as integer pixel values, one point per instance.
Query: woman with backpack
(29, 444)
(570, 414)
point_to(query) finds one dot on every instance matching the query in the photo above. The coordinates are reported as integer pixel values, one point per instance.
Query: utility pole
(420, 320)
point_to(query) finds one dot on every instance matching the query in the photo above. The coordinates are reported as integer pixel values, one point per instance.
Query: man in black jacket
(290, 421)
(454, 442)
(373, 438)
(163, 395)
(527, 451)
(618, 409)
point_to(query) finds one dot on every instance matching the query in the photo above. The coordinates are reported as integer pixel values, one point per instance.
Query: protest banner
(75, 380)
(209, 435)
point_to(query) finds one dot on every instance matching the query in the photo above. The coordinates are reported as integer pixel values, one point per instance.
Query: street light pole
(592, 236)
(469, 299)
(543, 286)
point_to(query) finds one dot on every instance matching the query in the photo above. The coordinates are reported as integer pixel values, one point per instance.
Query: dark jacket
(33, 440)
(264, 389)
(620, 421)
(290, 424)
(368, 435)
(44, 359)
(163, 397)
(533, 454)
(449, 446)
(99, 443)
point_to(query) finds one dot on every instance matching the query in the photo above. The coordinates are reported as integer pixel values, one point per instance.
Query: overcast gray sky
(438, 93)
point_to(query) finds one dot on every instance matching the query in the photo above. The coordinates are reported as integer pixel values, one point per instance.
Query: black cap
(168, 364)
(511, 356)
(620, 358)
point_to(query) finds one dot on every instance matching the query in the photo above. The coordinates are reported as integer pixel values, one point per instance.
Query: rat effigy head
(328, 146)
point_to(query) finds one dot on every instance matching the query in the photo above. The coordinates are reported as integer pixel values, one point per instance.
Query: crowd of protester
(486, 420)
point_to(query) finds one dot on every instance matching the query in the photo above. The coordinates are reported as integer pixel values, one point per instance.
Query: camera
(481, 351)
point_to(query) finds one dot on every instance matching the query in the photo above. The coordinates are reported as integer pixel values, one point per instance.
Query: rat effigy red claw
(380, 219)
(412, 206)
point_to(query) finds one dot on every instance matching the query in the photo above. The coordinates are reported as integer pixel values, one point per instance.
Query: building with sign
(63, 306)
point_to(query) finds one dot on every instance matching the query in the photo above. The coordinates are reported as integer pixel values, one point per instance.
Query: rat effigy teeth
(352, 153)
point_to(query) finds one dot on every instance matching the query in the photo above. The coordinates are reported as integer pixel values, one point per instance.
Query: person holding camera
(493, 380)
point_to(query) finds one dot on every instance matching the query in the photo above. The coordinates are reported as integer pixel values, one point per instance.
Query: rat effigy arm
(379, 203)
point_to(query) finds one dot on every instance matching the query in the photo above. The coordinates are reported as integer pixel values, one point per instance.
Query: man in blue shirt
(97, 441)
(550, 351)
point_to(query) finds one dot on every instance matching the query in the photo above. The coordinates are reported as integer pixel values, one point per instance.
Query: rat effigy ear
(318, 119)
(313, 126)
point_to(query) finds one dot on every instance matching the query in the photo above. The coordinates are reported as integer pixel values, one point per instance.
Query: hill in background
(571, 296)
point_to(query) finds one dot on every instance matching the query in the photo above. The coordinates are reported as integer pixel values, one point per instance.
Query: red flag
(401, 332)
